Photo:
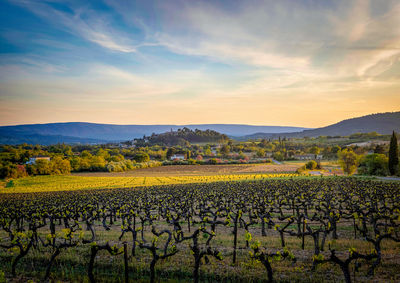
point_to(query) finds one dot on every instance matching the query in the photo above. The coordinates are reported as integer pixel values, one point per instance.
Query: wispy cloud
(259, 61)
(288, 35)
(352, 20)
(83, 22)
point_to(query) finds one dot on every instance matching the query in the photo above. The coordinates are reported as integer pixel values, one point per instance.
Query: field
(290, 229)
(201, 170)
(100, 181)
(163, 175)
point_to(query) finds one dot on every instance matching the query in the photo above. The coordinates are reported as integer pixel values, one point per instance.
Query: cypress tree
(393, 155)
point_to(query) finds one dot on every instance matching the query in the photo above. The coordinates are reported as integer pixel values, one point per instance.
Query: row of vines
(167, 221)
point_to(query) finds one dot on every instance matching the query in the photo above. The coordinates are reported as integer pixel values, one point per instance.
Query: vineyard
(265, 229)
(70, 183)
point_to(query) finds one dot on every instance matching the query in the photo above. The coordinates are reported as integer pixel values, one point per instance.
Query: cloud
(382, 39)
(342, 40)
(83, 22)
(351, 23)
(228, 53)
(243, 37)
(207, 61)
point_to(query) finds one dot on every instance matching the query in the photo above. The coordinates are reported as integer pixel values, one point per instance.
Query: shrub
(41, 167)
(141, 157)
(278, 156)
(12, 171)
(301, 169)
(374, 164)
(311, 165)
(60, 166)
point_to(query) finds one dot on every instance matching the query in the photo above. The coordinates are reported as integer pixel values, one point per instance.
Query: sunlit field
(200, 170)
(71, 183)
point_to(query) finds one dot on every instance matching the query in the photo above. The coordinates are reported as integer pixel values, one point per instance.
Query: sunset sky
(288, 63)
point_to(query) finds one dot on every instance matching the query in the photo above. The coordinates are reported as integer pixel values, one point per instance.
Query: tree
(315, 150)
(171, 151)
(260, 153)
(225, 149)
(278, 156)
(379, 149)
(311, 165)
(103, 153)
(97, 163)
(141, 157)
(393, 155)
(335, 149)
(117, 158)
(60, 166)
(12, 171)
(188, 154)
(374, 164)
(348, 160)
(43, 167)
(207, 151)
(86, 154)
(263, 143)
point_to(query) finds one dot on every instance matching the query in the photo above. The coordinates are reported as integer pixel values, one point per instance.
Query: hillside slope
(382, 123)
(106, 132)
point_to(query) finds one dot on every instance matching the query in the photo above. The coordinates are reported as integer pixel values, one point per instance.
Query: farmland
(203, 170)
(162, 175)
(73, 183)
(286, 229)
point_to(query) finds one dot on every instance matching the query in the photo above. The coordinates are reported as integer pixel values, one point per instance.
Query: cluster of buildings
(308, 156)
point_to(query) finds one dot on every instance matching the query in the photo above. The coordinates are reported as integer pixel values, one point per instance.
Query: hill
(19, 138)
(382, 123)
(182, 136)
(80, 132)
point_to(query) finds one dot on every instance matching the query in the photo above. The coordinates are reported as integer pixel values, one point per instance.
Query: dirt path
(390, 178)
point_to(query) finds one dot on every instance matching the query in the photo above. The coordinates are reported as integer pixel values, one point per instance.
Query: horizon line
(177, 125)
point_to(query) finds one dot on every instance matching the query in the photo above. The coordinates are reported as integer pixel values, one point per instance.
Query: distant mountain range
(77, 132)
(382, 123)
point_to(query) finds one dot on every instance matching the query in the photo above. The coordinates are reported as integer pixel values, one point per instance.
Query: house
(308, 156)
(178, 156)
(33, 160)
(268, 154)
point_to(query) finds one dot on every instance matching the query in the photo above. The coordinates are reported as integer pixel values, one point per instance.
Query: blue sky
(299, 63)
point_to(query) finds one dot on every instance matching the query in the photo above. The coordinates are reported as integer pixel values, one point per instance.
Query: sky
(287, 63)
